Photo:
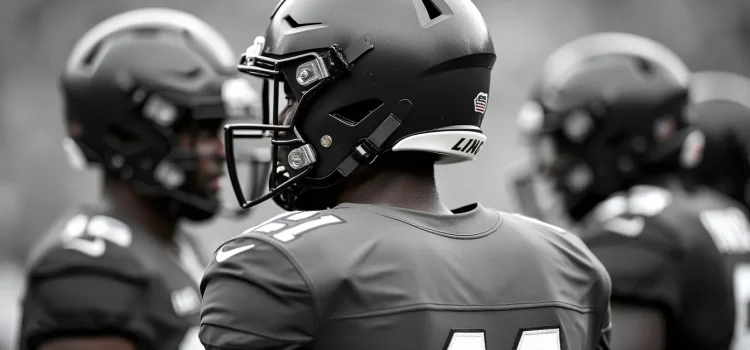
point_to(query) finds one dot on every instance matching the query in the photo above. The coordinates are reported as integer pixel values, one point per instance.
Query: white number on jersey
(289, 234)
(540, 339)
(101, 228)
(729, 229)
(741, 338)
(466, 340)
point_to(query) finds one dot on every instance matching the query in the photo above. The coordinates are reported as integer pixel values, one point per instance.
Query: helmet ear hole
(123, 139)
(356, 112)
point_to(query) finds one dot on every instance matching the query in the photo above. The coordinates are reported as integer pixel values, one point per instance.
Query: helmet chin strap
(365, 152)
(296, 197)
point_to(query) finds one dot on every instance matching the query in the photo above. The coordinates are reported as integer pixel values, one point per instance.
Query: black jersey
(97, 274)
(370, 277)
(684, 252)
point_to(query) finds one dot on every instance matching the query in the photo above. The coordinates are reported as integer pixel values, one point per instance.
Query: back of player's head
(136, 82)
(367, 78)
(721, 109)
(607, 110)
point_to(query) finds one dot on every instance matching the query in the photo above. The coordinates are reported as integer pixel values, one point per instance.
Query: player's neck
(142, 211)
(396, 188)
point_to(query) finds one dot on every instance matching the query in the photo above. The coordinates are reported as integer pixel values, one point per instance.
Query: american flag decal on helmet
(480, 102)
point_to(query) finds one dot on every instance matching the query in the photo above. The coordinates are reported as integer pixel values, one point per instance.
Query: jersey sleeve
(602, 299)
(642, 271)
(82, 292)
(255, 297)
(596, 290)
(606, 331)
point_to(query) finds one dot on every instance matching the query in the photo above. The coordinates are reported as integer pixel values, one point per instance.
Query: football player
(608, 128)
(369, 257)
(146, 93)
(721, 109)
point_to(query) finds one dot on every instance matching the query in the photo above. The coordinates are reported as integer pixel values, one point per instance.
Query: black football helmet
(133, 80)
(606, 112)
(369, 77)
(721, 109)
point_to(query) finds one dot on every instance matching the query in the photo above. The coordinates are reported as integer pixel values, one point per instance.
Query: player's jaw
(212, 184)
(210, 171)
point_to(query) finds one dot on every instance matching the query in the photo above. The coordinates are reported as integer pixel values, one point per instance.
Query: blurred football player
(369, 257)
(608, 129)
(721, 109)
(146, 93)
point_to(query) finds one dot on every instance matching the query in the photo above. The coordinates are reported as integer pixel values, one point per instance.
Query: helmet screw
(303, 75)
(117, 161)
(326, 141)
(295, 159)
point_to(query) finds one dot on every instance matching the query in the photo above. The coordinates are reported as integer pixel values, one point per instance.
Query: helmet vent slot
(432, 10)
(294, 24)
(354, 113)
(92, 55)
